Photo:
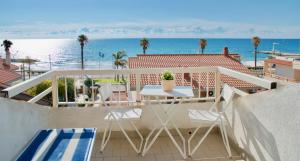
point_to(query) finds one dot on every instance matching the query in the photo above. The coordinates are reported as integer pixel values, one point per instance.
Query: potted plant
(168, 81)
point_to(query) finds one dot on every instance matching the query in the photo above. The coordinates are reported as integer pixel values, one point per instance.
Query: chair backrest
(227, 93)
(105, 92)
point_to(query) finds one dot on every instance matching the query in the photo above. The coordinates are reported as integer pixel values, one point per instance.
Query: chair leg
(202, 139)
(140, 135)
(225, 138)
(190, 139)
(128, 138)
(104, 138)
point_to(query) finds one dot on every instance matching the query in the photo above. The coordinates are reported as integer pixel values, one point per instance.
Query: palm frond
(83, 39)
(203, 43)
(144, 42)
(7, 44)
(256, 41)
(119, 58)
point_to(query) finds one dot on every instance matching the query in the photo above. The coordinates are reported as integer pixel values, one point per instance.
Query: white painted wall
(19, 121)
(267, 124)
(284, 71)
(93, 117)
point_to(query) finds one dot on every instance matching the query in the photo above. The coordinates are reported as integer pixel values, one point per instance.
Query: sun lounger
(60, 144)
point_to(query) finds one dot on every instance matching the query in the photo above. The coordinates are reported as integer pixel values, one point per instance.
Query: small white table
(156, 91)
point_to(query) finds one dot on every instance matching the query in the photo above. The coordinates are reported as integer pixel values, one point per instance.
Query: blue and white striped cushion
(60, 144)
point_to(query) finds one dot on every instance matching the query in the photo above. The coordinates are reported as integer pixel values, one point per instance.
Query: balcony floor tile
(119, 149)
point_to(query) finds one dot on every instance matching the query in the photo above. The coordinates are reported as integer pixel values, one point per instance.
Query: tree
(88, 82)
(202, 44)
(70, 89)
(29, 61)
(82, 40)
(255, 41)
(119, 60)
(34, 91)
(7, 44)
(145, 44)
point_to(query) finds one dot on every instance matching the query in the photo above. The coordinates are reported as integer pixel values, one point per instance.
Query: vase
(168, 85)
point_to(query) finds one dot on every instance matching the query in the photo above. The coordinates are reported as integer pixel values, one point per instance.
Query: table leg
(169, 113)
(182, 152)
(146, 146)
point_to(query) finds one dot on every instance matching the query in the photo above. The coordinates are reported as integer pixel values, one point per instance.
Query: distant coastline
(65, 53)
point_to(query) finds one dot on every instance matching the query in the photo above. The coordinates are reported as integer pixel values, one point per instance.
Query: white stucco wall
(19, 121)
(267, 124)
(284, 71)
(93, 117)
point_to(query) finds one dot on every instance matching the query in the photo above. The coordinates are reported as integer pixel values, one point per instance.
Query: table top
(178, 91)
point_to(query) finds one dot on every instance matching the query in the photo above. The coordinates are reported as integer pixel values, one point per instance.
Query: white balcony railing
(206, 82)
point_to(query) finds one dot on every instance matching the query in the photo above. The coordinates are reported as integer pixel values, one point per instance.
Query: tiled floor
(163, 150)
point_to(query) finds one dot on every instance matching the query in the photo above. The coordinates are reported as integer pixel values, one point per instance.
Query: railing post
(217, 85)
(138, 85)
(54, 91)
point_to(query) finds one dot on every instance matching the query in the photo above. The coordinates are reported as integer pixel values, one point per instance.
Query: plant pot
(168, 85)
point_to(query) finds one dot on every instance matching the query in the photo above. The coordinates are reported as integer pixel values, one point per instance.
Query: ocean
(65, 53)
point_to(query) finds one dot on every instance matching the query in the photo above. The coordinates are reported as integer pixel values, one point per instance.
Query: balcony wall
(94, 117)
(267, 124)
(19, 121)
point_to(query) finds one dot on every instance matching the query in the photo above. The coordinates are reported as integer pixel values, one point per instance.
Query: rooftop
(193, 60)
(7, 73)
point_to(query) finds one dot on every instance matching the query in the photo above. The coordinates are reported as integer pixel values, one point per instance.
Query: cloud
(141, 28)
(85, 30)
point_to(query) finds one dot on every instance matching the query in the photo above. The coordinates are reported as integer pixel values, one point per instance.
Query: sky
(149, 18)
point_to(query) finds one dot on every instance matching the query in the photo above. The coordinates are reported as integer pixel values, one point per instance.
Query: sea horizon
(65, 52)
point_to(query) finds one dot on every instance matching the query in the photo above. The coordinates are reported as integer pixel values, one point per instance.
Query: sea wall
(19, 121)
(267, 124)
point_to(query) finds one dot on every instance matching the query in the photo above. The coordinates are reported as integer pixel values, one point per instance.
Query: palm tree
(145, 44)
(119, 60)
(202, 44)
(256, 42)
(82, 40)
(7, 44)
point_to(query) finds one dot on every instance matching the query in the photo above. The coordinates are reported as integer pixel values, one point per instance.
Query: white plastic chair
(214, 117)
(119, 116)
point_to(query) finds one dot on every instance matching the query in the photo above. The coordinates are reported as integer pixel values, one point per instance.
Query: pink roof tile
(189, 60)
(7, 73)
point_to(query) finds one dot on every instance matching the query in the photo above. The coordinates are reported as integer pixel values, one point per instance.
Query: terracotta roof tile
(8, 76)
(7, 73)
(3, 66)
(189, 60)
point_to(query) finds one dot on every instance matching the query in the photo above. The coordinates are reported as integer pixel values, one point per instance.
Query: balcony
(85, 110)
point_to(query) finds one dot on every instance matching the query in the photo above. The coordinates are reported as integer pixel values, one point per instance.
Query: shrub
(167, 75)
